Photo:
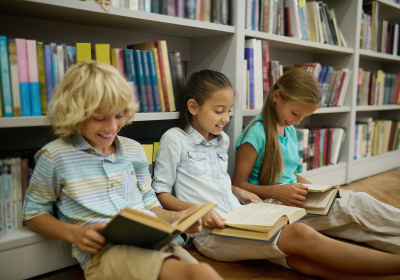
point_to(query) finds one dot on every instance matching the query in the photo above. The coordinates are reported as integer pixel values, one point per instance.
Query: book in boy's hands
(136, 228)
(259, 221)
(320, 198)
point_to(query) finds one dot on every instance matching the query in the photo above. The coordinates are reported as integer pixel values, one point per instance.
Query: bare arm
(86, 238)
(209, 221)
(289, 194)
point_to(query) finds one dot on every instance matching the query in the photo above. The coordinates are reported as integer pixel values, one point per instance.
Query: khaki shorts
(128, 262)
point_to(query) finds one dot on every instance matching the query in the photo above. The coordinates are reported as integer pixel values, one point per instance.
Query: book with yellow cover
(136, 228)
(259, 221)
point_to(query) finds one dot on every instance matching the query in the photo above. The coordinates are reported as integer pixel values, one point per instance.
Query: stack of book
(31, 70)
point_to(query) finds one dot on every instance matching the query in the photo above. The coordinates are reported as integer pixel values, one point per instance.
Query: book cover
(103, 53)
(23, 76)
(135, 228)
(259, 221)
(5, 78)
(130, 73)
(42, 77)
(147, 81)
(154, 81)
(162, 45)
(48, 72)
(16, 97)
(141, 83)
(83, 52)
(159, 82)
(34, 87)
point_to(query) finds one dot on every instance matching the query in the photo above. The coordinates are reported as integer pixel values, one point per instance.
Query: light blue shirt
(194, 170)
(88, 187)
(289, 150)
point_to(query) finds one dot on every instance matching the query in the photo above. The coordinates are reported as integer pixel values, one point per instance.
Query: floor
(385, 187)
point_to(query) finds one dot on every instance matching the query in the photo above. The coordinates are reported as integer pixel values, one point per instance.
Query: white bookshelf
(202, 45)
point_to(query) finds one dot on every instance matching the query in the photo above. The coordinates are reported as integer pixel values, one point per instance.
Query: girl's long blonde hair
(87, 88)
(296, 85)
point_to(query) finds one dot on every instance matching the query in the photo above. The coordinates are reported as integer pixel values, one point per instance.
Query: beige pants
(128, 262)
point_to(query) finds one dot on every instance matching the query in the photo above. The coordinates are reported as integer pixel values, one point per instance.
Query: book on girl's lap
(136, 228)
(320, 198)
(259, 221)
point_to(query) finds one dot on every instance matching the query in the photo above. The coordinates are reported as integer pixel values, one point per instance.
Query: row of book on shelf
(377, 88)
(215, 11)
(375, 137)
(377, 33)
(31, 70)
(310, 21)
(261, 73)
(319, 147)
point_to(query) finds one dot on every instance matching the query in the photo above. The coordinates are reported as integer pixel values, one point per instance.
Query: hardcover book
(5, 79)
(16, 97)
(23, 76)
(135, 228)
(259, 221)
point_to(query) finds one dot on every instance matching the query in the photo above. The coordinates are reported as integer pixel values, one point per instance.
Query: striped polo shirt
(86, 186)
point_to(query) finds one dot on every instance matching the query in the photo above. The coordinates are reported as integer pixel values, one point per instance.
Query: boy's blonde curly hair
(88, 88)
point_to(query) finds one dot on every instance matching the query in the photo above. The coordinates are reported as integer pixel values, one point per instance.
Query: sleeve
(149, 197)
(166, 162)
(255, 136)
(42, 192)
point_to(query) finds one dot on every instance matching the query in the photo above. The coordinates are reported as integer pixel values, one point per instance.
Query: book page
(319, 187)
(319, 199)
(259, 214)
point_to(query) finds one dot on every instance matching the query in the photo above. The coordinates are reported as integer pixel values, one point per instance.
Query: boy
(90, 173)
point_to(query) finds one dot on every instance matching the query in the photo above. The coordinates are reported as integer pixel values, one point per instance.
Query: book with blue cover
(6, 92)
(140, 78)
(23, 76)
(147, 81)
(48, 72)
(154, 82)
(130, 73)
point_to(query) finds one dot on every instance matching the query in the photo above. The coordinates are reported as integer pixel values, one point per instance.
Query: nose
(111, 125)
(298, 120)
(226, 117)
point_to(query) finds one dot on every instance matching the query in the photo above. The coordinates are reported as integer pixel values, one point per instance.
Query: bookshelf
(202, 45)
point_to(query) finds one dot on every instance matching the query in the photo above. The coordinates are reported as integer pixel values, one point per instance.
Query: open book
(135, 228)
(259, 221)
(320, 198)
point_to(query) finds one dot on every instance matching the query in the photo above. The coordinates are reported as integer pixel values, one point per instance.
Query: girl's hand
(196, 227)
(213, 220)
(88, 239)
(244, 196)
(292, 194)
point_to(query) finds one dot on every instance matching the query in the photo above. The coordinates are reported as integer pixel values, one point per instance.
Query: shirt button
(132, 172)
(105, 160)
(111, 186)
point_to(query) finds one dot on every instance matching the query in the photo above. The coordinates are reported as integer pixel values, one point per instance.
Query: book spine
(155, 6)
(249, 56)
(48, 72)
(83, 52)
(159, 83)
(154, 82)
(2, 208)
(54, 64)
(191, 9)
(5, 79)
(162, 45)
(121, 61)
(33, 78)
(131, 75)
(23, 76)
(16, 97)
(8, 199)
(180, 9)
(141, 84)
(103, 53)
(72, 55)
(42, 77)
(163, 78)
(147, 81)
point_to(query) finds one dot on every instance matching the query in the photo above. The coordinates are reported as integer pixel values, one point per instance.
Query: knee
(203, 271)
(295, 237)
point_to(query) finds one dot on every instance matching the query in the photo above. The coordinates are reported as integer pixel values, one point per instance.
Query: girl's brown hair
(296, 85)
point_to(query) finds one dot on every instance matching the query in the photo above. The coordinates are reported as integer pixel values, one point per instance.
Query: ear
(192, 106)
(276, 96)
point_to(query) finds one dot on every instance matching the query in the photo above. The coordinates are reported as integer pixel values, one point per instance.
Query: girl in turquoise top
(267, 157)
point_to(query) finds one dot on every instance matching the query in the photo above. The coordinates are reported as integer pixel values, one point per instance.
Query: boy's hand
(88, 239)
(244, 196)
(213, 220)
(196, 227)
(292, 194)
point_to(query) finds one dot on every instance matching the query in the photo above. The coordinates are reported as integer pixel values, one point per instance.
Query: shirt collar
(81, 144)
(197, 138)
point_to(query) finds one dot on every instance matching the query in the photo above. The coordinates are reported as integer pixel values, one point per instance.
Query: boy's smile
(101, 129)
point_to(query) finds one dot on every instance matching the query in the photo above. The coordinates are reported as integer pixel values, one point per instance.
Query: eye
(120, 116)
(218, 112)
(294, 114)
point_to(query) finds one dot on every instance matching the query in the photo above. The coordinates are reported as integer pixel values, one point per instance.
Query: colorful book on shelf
(42, 77)
(23, 76)
(294, 17)
(259, 221)
(177, 76)
(138, 229)
(33, 77)
(8, 195)
(265, 67)
(249, 56)
(130, 73)
(16, 97)
(117, 60)
(149, 151)
(83, 52)
(159, 82)
(147, 81)
(103, 53)
(48, 72)
(2, 208)
(154, 81)
(5, 79)
(60, 62)
(144, 107)
(54, 65)
(71, 54)
(165, 72)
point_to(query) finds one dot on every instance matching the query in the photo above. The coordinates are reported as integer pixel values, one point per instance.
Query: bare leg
(303, 241)
(176, 269)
